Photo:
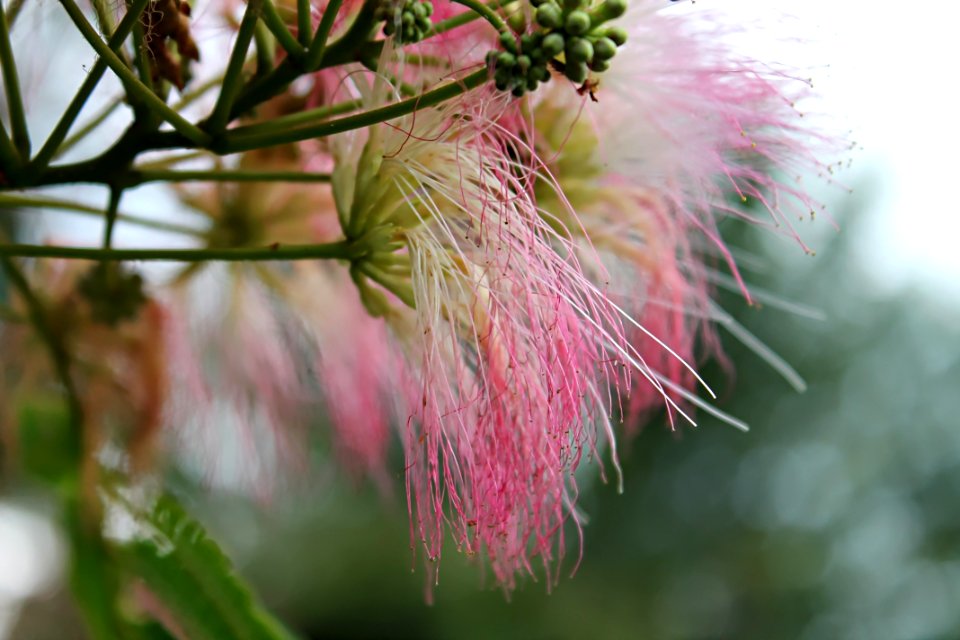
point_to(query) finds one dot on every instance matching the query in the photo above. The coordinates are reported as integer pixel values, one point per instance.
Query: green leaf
(48, 447)
(195, 580)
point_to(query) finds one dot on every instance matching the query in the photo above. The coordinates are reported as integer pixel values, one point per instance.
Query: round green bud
(578, 23)
(539, 72)
(506, 60)
(428, 9)
(406, 19)
(549, 16)
(617, 34)
(509, 42)
(577, 71)
(612, 9)
(529, 42)
(604, 48)
(553, 44)
(532, 84)
(419, 10)
(579, 50)
(517, 21)
(599, 65)
(523, 63)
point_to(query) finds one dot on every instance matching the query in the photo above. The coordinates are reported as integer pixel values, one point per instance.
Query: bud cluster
(407, 20)
(114, 293)
(568, 28)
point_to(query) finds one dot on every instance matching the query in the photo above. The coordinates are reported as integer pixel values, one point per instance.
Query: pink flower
(516, 355)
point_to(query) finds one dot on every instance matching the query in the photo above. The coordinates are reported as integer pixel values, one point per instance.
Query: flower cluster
(424, 239)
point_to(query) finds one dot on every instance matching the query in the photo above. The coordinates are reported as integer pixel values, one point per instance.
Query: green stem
(112, 205)
(346, 49)
(196, 93)
(303, 22)
(342, 250)
(104, 16)
(130, 80)
(304, 117)
(12, 202)
(140, 60)
(89, 127)
(464, 18)
(62, 128)
(10, 163)
(318, 44)
(404, 88)
(279, 29)
(51, 340)
(169, 161)
(241, 140)
(142, 177)
(266, 45)
(233, 78)
(485, 12)
(18, 118)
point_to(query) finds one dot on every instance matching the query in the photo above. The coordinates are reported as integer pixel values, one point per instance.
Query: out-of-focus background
(837, 516)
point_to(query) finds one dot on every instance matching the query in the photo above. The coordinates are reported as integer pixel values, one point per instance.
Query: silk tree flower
(641, 244)
(699, 121)
(677, 130)
(241, 368)
(516, 357)
(296, 354)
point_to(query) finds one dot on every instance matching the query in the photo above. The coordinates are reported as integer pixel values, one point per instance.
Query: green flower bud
(604, 48)
(529, 42)
(577, 71)
(599, 65)
(506, 60)
(509, 42)
(523, 63)
(517, 21)
(549, 16)
(611, 9)
(553, 44)
(578, 23)
(502, 78)
(579, 50)
(617, 34)
(539, 72)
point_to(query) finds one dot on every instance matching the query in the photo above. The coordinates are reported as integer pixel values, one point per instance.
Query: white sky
(893, 77)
